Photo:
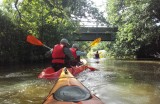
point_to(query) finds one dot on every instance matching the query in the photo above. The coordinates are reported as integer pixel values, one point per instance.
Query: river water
(114, 82)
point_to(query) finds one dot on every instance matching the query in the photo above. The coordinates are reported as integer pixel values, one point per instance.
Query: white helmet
(64, 41)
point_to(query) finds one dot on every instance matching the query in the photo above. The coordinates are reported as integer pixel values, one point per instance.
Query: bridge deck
(91, 33)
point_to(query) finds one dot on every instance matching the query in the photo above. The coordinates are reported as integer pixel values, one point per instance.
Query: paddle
(94, 43)
(33, 40)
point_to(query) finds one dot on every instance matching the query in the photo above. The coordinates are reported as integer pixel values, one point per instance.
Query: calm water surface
(115, 82)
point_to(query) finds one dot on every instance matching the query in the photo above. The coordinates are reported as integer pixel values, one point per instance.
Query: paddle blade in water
(95, 42)
(33, 40)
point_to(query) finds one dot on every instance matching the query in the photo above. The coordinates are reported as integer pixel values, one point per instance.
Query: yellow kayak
(68, 90)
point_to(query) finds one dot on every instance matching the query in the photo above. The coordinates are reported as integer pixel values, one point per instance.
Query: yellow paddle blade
(83, 61)
(95, 42)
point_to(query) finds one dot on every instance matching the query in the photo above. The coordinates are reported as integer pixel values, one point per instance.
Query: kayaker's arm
(49, 53)
(68, 53)
(80, 53)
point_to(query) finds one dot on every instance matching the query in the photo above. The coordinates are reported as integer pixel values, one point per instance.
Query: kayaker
(61, 55)
(76, 53)
(97, 55)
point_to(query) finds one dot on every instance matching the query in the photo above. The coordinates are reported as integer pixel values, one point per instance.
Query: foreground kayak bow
(68, 90)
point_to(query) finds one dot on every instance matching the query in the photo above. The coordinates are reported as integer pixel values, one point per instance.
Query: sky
(101, 4)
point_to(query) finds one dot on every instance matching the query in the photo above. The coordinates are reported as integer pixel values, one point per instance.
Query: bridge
(91, 33)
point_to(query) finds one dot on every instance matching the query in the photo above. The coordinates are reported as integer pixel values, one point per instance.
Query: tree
(137, 25)
(48, 20)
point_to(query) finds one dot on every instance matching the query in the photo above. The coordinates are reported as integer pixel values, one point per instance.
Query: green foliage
(137, 26)
(11, 40)
(48, 20)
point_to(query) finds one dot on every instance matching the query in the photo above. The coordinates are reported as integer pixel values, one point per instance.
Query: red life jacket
(73, 50)
(58, 54)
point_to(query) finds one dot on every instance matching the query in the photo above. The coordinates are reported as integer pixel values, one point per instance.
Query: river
(114, 82)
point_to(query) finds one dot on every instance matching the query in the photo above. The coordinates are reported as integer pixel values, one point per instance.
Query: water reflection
(20, 91)
(115, 82)
(130, 82)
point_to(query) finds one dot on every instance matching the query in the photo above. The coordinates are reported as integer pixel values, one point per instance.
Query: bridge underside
(91, 33)
(93, 36)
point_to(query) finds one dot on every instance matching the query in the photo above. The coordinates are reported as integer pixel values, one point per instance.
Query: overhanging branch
(16, 2)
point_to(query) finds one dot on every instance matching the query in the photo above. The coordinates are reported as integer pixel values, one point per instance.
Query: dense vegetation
(138, 23)
(48, 20)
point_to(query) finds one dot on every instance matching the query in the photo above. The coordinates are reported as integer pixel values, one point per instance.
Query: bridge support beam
(93, 36)
(91, 33)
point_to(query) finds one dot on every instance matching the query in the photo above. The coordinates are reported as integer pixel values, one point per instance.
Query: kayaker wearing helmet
(76, 53)
(61, 55)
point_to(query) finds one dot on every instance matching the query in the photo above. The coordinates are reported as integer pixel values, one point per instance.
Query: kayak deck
(68, 90)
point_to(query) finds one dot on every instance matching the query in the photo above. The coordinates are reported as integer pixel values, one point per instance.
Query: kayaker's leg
(68, 65)
(73, 63)
(57, 66)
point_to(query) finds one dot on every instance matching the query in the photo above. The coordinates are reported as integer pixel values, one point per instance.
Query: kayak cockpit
(71, 94)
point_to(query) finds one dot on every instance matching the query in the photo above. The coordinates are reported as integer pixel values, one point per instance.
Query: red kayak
(49, 72)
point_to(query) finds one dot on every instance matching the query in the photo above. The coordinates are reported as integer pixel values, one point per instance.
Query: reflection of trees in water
(147, 75)
(143, 71)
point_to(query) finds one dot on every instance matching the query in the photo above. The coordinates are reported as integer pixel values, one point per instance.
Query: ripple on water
(16, 74)
(25, 92)
(111, 82)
